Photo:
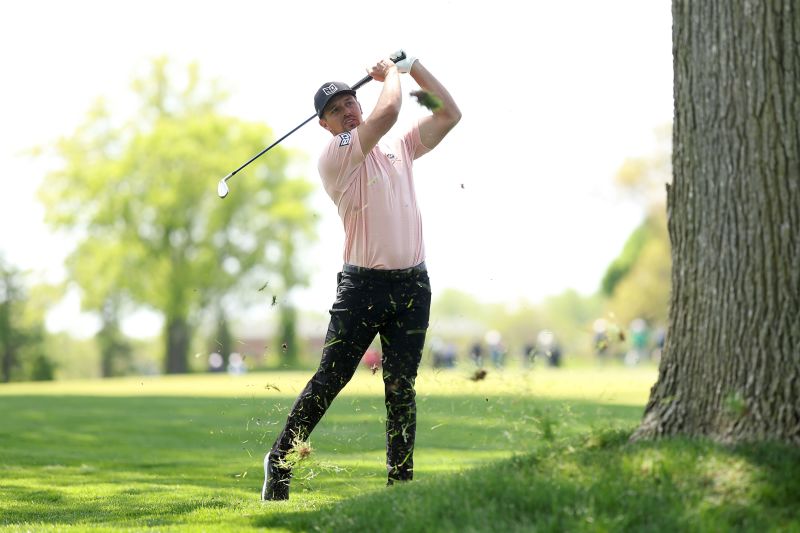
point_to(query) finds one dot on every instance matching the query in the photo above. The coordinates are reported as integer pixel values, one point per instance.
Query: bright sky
(518, 201)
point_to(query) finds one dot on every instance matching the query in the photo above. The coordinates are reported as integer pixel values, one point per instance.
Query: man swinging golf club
(383, 287)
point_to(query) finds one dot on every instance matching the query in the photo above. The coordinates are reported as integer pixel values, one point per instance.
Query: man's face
(343, 113)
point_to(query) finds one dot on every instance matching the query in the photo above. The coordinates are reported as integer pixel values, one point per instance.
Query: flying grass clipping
(428, 100)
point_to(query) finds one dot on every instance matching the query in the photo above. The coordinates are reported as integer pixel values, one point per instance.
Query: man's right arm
(387, 109)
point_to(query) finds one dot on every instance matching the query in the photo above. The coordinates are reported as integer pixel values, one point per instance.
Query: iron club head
(222, 186)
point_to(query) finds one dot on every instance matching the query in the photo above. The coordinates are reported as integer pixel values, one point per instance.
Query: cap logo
(330, 89)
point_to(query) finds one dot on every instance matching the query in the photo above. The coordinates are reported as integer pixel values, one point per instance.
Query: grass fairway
(544, 450)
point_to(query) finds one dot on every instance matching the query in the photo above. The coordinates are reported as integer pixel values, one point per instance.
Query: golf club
(222, 186)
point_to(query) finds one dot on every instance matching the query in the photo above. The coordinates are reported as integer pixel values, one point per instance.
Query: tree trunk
(288, 336)
(178, 337)
(287, 326)
(731, 364)
(223, 341)
(115, 351)
(10, 295)
(6, 341)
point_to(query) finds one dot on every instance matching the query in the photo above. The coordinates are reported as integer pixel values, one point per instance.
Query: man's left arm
(434, 127)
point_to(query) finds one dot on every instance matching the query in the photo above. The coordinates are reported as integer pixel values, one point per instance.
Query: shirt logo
(330, 89)
(344, 139)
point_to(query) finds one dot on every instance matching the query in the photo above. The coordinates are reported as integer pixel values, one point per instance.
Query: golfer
(383, 287)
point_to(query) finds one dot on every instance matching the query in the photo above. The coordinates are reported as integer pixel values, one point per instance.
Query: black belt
(376, 273)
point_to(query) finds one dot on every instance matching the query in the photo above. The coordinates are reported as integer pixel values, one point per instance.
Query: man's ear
(324, 124)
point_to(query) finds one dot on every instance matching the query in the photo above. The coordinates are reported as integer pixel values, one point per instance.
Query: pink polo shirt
(376, 199)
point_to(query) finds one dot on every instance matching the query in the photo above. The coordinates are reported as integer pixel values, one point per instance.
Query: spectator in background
(549, 346)
(600, 339)
(236, 364)
(555, 354)
(372, 359)
(443, 354)
(496, 348)
(437, 352)
(660, 337)
(528, 354)
(476, 353)
(450, 355)
(638, 337)
(216, 363)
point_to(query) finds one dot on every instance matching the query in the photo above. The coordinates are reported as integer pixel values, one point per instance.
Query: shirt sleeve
(338, 162)
(413, 143)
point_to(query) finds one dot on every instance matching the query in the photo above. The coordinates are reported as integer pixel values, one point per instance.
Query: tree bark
(731, 364)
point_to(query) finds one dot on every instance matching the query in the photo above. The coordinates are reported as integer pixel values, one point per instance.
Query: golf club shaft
(359, 84)
(397, 56)
(265, 150)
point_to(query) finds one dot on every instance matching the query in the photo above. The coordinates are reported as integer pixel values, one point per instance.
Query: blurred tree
(644, 178)
(98, 267)
(12, 336)
(566, 315)
(522, 324)
(731, 363)
(73, 357)
(222, 342)
(287, 335)
(292, 228)
(637, 282)
(455, 303)
(141, 197)
(641, 289)
(569, 315)
(115, 349)
(621, 266)
(38, 364)
(22, 331)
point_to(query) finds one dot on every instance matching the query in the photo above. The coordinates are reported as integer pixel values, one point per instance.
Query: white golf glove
(404, 66)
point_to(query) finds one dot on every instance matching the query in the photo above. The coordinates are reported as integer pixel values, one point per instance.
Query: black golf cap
(328, 91)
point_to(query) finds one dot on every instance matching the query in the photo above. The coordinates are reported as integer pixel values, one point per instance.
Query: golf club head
(222, 186)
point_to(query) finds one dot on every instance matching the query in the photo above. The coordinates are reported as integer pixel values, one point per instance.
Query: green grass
(540, 451)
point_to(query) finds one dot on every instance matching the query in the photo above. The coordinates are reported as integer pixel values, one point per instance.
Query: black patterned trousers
(394, 304)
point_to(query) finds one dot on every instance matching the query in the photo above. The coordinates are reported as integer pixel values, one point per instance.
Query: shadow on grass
(35, 506)
(599, 482)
